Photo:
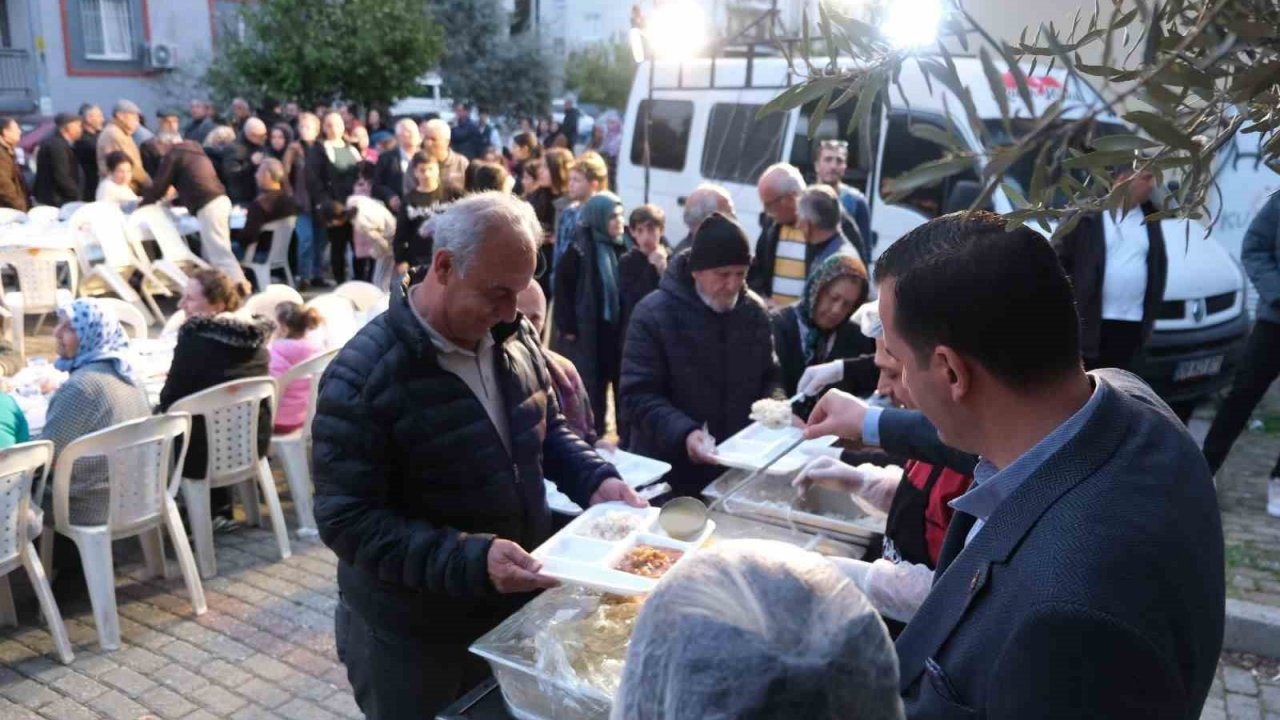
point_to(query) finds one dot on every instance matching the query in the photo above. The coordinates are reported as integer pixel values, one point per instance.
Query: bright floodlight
(677, 30)
(636, 38)
(912, 23)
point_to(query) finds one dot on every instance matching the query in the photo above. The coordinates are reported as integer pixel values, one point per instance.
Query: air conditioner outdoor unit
(162, 56)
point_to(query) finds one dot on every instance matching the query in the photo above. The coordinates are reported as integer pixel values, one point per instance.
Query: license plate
(1201, 367)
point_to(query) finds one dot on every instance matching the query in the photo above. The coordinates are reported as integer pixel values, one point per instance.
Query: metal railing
(16, 86)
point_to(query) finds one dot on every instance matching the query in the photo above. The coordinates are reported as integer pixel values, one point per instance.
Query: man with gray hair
(435, 427)
(240, 165)
(784, 253)
(436, 137)
(705, 199)
(125, 119)
(388, 176)
(818, 217)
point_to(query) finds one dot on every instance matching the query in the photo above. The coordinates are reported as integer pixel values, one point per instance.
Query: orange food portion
(649, 561)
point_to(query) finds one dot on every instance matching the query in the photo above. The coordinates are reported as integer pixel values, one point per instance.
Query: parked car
(705, 128)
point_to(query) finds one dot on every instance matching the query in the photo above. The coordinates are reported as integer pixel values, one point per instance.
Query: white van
(705, 128)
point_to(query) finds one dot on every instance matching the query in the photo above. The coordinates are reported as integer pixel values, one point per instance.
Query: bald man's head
(532, 303)
(255, 131)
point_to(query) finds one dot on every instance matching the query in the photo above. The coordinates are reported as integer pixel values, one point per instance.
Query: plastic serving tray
(755, 444)
(574, 557)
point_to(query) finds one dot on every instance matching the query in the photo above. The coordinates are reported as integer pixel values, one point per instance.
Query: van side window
(739, 146)
(904, 151)
(669, 134)
(834, 126)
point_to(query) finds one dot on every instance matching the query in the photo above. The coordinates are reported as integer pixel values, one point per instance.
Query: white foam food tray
(572, 556)
(636, 470)
(755, 444)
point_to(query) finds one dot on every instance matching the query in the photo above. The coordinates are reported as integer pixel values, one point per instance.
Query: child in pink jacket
(291, 347)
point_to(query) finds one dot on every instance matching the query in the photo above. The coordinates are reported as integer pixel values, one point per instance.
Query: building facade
(57, 54)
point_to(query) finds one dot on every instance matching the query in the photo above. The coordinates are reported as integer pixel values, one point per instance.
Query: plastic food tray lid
(752, 447)
(574, 556)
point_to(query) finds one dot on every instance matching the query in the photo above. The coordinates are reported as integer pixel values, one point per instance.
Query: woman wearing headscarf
(588, 302)
(818, 328)
(101, 390)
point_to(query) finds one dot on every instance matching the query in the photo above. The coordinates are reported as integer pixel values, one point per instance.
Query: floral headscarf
(101, 339)
(824, 275)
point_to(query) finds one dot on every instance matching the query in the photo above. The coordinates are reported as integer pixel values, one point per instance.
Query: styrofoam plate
(559, 502)
(572, 556)
(751, 448)
(636, 470)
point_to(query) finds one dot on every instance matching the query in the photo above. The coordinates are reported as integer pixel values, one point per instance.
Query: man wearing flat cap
(59, 177)
(125, 119)
(699, 351)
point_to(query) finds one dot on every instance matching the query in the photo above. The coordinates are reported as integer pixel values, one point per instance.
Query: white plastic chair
(230, 412)
(108, 256)
(176, 257)
(18, 467)
(264, 303)
(38, 292)
(293, 449)
(365, 296)
(277, 256)
(174, 324)
(43, 215)
(142, 485)
(66, 211)
(10, 215)
(128, 315)
(340, 321)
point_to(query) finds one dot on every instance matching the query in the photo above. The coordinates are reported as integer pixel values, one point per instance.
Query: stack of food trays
(615, 548)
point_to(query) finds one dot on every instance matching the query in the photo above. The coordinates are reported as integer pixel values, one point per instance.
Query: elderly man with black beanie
(698, 352)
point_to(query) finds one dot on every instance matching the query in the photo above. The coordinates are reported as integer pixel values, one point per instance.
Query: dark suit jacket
(1095, 590)
(58, 174)
(388, 178)
(87, 155)
(1083, 253)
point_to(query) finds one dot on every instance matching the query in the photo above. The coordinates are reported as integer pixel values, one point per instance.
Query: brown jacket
(13, 189)
(114, 138)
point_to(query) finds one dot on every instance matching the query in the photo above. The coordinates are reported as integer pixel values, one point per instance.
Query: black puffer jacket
(413, 482)
(212, 351)
(684, 365)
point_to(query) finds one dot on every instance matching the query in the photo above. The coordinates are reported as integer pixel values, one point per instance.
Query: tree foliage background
(601, 73)
(312, 51)
(486, 65)
(1205, 70)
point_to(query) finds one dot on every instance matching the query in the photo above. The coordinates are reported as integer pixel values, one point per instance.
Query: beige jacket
(114, 138)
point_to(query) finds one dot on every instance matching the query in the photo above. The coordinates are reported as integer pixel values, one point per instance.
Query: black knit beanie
(719, 242)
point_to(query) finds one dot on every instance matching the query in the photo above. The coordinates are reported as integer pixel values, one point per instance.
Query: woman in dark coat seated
(216, 345)
(818, 328)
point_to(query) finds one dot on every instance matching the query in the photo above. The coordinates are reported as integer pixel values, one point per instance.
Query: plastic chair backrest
(104, 224)
(265, 302)
(128, 315)
(37, 271)
(10, 215)
(165, 232)
(364, 295)
(140, 469)
(311, 368)
(174, 323)
(281, 235)
(43, 215)
(339, 316)
(66, 211)
(18, 466)
(230, 412)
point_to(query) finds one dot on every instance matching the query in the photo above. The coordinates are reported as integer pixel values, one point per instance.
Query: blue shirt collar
(992, 486)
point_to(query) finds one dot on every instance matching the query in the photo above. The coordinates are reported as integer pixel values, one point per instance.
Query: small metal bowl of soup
(683, 518)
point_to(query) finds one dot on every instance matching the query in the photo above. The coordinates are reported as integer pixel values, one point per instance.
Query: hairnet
(758, 629)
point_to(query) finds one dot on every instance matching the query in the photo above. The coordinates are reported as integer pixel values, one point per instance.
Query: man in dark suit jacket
(58, 174)
(1118, 273)
(91, 120)
(1082, 574)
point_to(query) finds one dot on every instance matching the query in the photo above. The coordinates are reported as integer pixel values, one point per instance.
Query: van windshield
(1019, 174)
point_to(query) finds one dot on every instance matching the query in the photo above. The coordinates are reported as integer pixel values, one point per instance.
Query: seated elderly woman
(215, 345)
(818, 328)
(100, 391)
(758, 629)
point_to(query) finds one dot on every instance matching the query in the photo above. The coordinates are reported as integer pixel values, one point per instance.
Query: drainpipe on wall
(35, 25)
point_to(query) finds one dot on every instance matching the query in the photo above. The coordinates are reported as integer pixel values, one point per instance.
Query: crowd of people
(1052, 544)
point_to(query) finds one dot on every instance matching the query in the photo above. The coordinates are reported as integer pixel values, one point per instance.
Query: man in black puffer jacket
(698, 350)
(434, 429)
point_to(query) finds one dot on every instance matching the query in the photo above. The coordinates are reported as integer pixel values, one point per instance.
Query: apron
(904, 529)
